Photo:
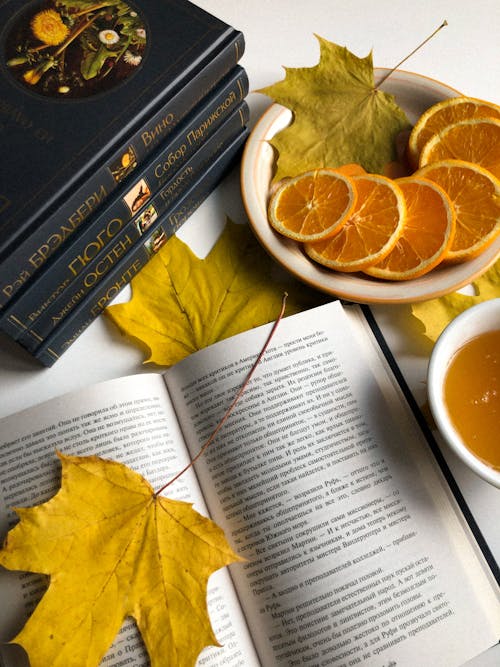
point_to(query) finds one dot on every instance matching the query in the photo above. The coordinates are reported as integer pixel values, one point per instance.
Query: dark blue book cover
(78, 81)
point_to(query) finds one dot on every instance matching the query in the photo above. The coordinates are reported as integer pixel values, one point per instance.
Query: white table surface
(464, 55)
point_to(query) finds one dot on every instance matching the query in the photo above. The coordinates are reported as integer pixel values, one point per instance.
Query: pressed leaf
(437, 313)
(339, 117)
(181, 303)
(112, 549)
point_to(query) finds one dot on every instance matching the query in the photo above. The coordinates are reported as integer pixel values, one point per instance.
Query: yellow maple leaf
(112, 549)
(437, 313)
(339, 116)
(181, 303)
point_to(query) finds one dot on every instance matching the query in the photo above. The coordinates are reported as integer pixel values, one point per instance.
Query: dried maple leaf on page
(112, 549)
(339, 116)
(181, 303)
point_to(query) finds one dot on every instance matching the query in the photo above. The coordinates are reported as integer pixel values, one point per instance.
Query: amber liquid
(472, 396)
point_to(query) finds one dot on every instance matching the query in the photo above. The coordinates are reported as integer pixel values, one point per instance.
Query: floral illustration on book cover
(75, 48)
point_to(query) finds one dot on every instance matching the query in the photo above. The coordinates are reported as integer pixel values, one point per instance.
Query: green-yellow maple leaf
(181, 303)
(437, 313)
(339, 116)
(113, 549)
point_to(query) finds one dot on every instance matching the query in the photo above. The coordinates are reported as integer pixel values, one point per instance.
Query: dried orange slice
(475, 193)
(371, 230)
(427, 232)
(312, 205)
(445, 113)
(476, 140)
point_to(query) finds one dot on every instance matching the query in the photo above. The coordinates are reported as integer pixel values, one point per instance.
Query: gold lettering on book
(12, 287)
(41, 255)
(70, 340)
(18, 117)
(182, 214)
(87, 206)
(167, 192)
(46, 249)
(163, 167)
(67, 308)
(148, 136)
(108, 260)
(47, 302)
(197, 134)
(96, 245)
(117, 286)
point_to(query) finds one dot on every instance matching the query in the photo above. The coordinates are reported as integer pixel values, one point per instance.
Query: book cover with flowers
(78, 78)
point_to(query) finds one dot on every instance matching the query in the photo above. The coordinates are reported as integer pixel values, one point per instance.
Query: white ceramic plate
(414, 93)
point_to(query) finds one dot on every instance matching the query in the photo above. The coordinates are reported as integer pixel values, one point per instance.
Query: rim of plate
(415, 93)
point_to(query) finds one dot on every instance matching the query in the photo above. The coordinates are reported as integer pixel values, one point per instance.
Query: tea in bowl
(464, 388)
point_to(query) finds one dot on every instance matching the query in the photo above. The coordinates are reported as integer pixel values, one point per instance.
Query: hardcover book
(356, 548)
(86, 90)
(136, 232)
(90, 306)
(137, 203)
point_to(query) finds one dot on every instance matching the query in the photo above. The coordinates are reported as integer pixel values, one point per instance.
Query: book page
(128, 420)
(323, 481)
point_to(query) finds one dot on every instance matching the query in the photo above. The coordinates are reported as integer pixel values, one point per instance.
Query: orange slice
(475, 193)
(312, 205)
(445, 113)
(427, 232)
(371, 230)
(476, 140)
(350, 169)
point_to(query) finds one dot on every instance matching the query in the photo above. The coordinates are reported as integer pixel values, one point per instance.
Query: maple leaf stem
(443, 24)
(234, 401)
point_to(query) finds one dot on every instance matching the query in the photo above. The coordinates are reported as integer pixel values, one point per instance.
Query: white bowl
(474, 321)
(414, 93)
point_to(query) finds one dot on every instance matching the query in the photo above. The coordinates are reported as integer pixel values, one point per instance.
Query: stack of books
(116, 122)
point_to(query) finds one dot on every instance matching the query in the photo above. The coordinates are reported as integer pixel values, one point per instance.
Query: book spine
(127, 238)
(26, 255)
(92, 306)
(102, 229)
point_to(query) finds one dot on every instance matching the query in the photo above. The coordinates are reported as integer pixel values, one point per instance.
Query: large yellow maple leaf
(112, 549)
(181, 303)
(339, 116)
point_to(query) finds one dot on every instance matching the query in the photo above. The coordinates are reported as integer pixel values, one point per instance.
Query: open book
(356, 550)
